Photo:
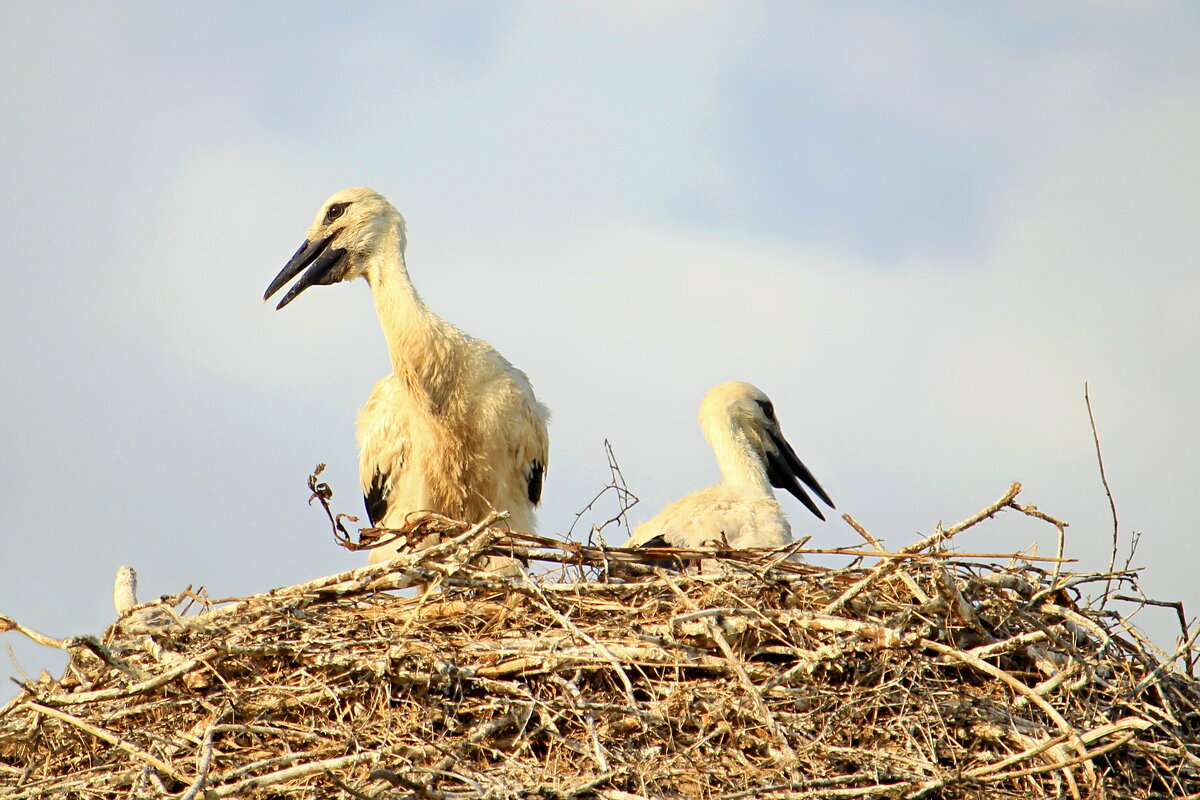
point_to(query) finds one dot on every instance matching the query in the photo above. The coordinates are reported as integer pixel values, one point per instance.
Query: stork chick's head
(742, 412)
(351, 227)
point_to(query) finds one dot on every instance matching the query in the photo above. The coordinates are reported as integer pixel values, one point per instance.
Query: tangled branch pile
(925, 676)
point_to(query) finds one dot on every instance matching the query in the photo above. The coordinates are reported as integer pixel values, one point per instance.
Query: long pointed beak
(784, 467)
(321, 261)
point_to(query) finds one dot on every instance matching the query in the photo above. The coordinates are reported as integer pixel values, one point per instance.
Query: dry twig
(944, 678)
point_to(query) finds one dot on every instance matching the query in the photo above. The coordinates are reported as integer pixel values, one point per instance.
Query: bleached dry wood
(933, 540)
(292, 773)
(499, 687)
(1009, 645)
(618, 670)
(203, 763)
(879, 548)
(106, 736)
(10, 624)
(1020, 688)
(138, 688)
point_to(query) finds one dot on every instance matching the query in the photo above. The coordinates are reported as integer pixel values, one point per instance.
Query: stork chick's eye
(335, 211)
(768, 408)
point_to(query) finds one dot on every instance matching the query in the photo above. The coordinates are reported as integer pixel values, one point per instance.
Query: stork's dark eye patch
(335, 211)
(768, 408)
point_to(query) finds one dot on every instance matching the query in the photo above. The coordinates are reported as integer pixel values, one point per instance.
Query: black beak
(784, 468)
(322, 272)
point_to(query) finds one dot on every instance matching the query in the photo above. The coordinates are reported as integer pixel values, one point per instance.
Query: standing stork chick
(454, 428)
(739, 422)
(125, 589)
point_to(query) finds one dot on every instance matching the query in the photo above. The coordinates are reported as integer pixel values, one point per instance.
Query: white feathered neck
(738, 457)
(426, 351)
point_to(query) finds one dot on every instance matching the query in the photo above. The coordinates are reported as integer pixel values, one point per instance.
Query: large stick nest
(931, 674)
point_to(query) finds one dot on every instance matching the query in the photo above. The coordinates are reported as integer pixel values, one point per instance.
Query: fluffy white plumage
(739, 422)
(125, 589)
(454, 428)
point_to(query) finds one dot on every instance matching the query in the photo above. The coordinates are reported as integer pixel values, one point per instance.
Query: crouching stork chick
(741, 511)
(454, 428)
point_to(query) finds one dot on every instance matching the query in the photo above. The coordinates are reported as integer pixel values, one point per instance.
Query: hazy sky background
(919, 227)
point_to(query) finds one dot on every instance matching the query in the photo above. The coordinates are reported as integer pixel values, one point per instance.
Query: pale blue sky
(918, 227)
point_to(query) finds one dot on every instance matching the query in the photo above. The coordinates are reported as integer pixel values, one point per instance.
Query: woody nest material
(932, 674)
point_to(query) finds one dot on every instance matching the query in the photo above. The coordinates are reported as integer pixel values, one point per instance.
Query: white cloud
(228, 224)
(1100, 240)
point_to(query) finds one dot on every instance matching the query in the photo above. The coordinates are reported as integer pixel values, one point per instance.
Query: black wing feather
(674, 563)
(376, 498)
(534, 481)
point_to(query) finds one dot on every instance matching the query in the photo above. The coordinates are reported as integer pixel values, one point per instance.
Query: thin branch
(106, 736)
(625, 499)
(290, 774)
(919, 595)
(137, 688)
(1112, 562)
(10, 624)
(1020, 688)
(934, 539)
(203, 764)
